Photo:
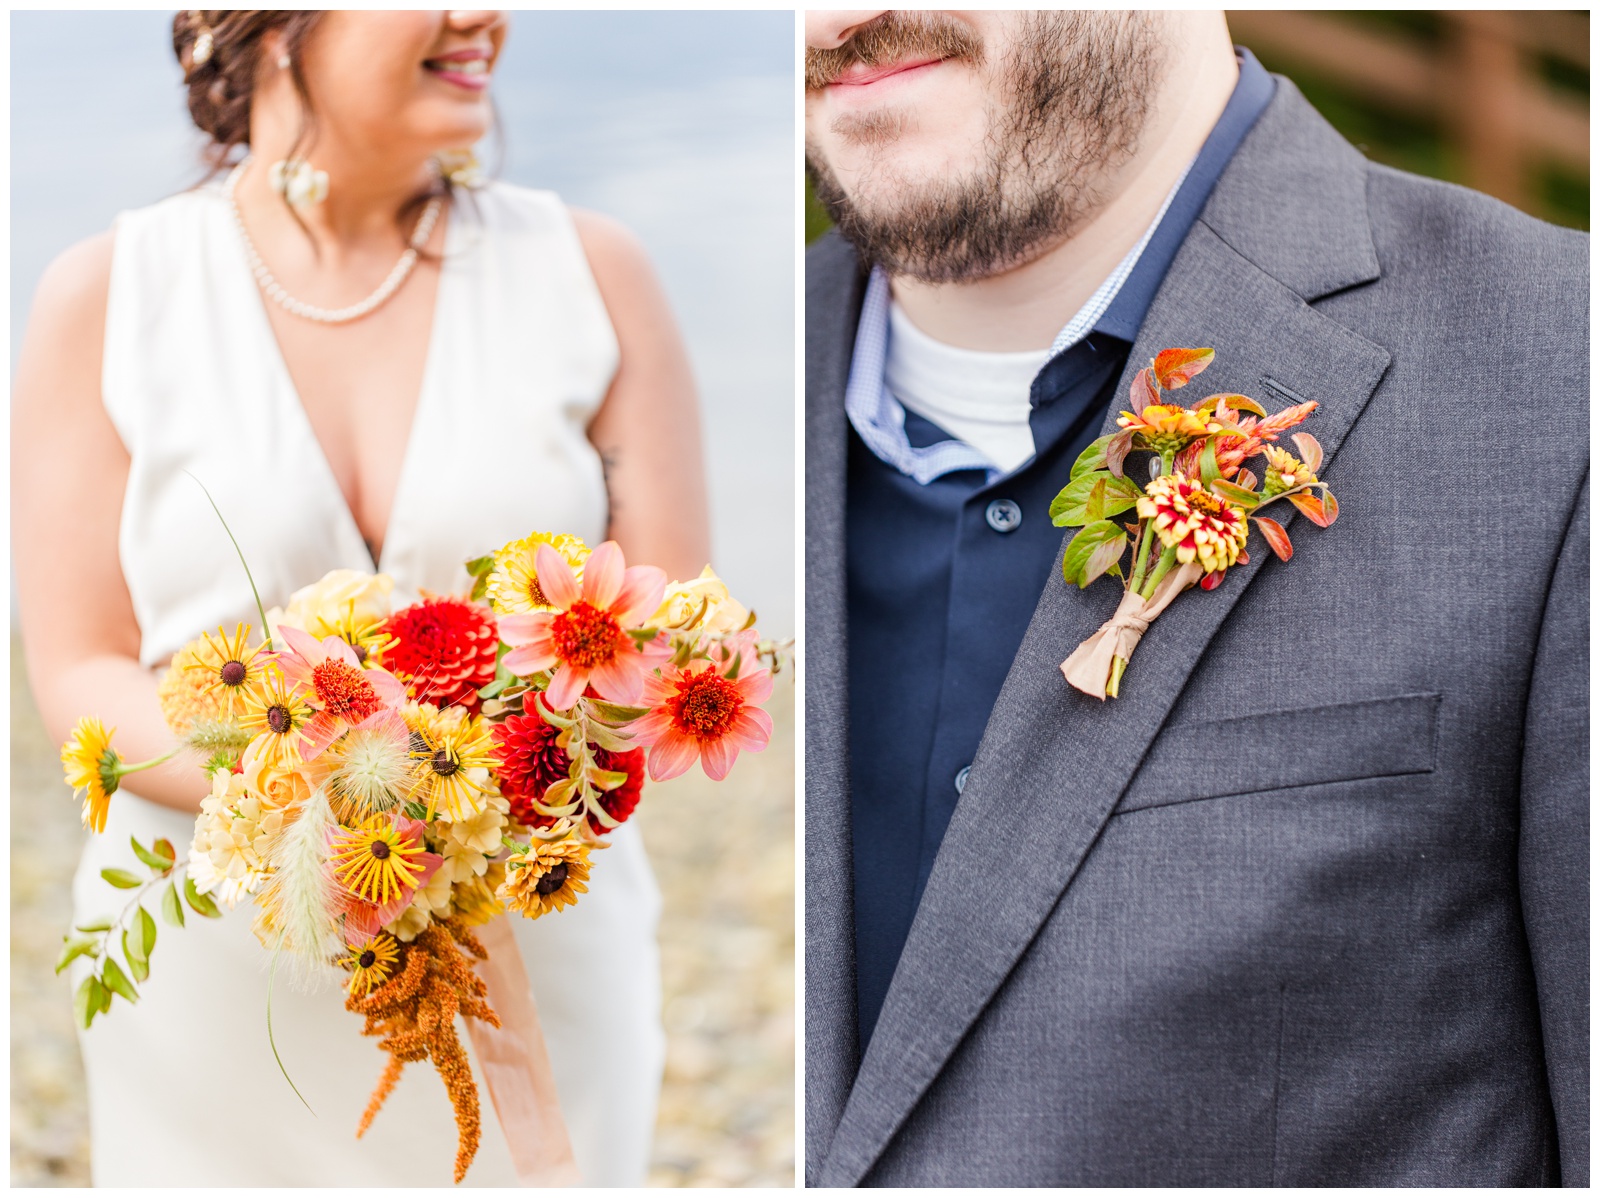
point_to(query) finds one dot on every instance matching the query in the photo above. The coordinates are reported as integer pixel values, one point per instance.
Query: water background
(679, 124)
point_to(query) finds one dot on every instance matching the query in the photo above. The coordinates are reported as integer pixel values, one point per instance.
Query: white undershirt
(980, 398)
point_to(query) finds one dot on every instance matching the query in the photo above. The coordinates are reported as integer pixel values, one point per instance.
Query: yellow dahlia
(1194, 522)
(274, 713)
(186, 694)
(377, 861)
(371, 963)
(513, 586)
(93, 769)
(453, 751)
(1285, 471)
(229, 670)
(548, 876)
(1166, 428)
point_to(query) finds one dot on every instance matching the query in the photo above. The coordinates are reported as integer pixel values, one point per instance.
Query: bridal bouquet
(1194, 513)
(383, 782)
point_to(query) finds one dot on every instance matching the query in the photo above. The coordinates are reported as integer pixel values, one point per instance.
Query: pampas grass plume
(302, 897)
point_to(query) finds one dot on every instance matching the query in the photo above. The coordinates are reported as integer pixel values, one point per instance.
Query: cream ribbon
(516, 1066)
(1089, 667)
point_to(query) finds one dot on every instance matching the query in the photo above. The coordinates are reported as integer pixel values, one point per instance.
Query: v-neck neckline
(286, 387)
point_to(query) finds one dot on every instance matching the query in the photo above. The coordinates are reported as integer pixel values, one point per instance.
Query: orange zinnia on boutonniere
(1194, 514)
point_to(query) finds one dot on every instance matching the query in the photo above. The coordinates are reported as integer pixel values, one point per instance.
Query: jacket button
(961, 778)
(1003, 515)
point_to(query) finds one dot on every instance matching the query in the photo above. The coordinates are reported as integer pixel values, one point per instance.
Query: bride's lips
(464, 68)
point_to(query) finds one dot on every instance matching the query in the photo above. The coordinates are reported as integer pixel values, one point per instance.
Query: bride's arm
(648, 429)
(68, 471)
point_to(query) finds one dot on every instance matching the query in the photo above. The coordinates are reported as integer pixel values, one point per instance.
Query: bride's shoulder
(616, 257)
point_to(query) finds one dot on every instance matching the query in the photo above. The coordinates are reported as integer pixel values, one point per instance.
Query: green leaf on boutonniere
(1236, 494)
(1210, 472)
(114, 980)
(1096, 549)
(1097, 495)
(171, 908)
(1105, 453)
(86, 1001)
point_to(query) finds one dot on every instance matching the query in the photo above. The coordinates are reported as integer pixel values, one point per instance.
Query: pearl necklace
(274, 289)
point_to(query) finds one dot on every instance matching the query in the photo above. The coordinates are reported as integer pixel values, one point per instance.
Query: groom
(1308, 903)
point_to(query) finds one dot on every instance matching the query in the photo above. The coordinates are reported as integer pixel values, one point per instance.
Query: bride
(349, 404)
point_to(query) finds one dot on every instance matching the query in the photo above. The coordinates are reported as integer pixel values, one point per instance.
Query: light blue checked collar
(880, 419)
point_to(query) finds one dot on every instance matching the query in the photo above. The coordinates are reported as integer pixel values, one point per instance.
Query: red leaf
(1213, 580)
(1246, 479)
(1117, 451)
(1277, 539)
(1310, 450)
(1142, 391)
(1174, 368)
(1330, 507)
(1244, 558)
(1311, 507)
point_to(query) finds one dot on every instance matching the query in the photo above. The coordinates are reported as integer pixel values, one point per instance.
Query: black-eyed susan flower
(548, 876)
(371, 963)
(1197, 525)
(274, 713)
(380, 860)
(230, 670)
(453, 752)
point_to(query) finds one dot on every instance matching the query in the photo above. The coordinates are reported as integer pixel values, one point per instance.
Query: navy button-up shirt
(946, 558)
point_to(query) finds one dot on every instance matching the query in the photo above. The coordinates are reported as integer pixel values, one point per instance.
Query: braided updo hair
(222, 86)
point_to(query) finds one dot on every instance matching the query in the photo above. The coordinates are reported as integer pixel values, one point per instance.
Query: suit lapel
(834, 286)
(1053, 762)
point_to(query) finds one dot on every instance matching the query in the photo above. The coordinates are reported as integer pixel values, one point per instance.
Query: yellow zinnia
(513, 585)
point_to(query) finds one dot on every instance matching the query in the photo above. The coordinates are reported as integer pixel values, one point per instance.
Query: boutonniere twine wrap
(386, 785)
(1195, 513)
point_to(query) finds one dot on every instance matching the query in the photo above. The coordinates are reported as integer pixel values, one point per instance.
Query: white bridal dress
(183, 1089)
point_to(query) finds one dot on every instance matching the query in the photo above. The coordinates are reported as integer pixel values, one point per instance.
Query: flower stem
(1141, 558)
(1118, 665)
(124, 770)
(1168, 556)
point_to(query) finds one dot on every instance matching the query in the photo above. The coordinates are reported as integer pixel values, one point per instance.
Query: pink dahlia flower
(699, 712)
(584, 641)
(343, 693)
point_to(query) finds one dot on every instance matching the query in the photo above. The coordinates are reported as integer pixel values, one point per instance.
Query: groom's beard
(1071, 103)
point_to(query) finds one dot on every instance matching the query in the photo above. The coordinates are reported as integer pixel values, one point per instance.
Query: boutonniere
(1195, 513)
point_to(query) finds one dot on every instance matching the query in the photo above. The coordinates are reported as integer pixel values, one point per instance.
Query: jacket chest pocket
(1277, 750)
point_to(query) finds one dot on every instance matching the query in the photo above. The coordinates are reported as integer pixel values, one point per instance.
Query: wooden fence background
(1498, 101)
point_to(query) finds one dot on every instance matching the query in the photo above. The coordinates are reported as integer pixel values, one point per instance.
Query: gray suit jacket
(1309, 903)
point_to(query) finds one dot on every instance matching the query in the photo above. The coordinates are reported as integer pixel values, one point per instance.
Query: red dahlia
(445, 652)
(530, 762)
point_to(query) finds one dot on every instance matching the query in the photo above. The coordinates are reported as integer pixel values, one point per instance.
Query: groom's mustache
(891, 38)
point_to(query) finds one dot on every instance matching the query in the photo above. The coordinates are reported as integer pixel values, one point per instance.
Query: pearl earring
(285, 62)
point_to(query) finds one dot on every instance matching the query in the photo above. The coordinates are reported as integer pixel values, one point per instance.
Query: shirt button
(1003, 515)
(961, 778)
